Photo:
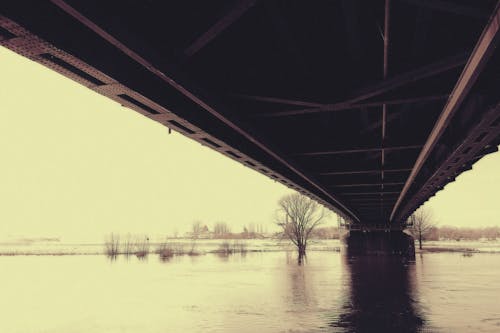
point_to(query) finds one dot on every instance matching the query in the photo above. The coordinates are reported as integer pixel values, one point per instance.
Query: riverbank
(223, 246)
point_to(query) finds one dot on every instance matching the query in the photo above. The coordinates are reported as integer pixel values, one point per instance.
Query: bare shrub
(165, 250)
(227, 248)
(127, 245)
(141, 247)
(112, 245)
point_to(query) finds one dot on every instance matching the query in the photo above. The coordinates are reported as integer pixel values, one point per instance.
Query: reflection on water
(256, 292)
(381, 296)
(302, 295)
(378, 295)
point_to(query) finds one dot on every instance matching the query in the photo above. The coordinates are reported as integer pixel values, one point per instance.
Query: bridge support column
(393, 242)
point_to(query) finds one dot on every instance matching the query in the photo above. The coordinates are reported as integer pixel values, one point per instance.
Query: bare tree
(298, 216)
(421, 223)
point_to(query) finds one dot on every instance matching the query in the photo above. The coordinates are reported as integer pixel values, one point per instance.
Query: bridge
(370, 107)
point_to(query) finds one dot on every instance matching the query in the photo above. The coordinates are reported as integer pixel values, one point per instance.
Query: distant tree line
(455, 233)
(221, 230)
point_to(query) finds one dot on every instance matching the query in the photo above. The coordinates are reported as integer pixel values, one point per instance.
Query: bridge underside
(370, 107)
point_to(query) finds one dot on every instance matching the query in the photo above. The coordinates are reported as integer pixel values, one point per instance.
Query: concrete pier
(394, 242)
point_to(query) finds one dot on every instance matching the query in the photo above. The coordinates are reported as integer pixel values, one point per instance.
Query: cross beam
(377, 200)
(367, 184)
(278, 100)
(357, 150)
(368, 193)
(359, 172)
(348, 106)
(379, 88)
(222, 24)
(418, 74)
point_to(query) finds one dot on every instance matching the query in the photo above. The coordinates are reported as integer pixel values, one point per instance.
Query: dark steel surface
(311, 94)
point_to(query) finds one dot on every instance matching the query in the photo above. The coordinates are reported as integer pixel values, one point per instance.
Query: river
(252, 292)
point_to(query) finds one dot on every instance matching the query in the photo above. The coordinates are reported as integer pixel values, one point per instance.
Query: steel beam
(479, 57)
(400, 80)
(348, 106)
(197, 100)
(366, 184)
(240, 7)
(391, 117)
(481, 140)
(377, 200)
(278, 100)
(384, 106)
(357, 150)
(381, 87)
(358, 172)
(368, 193)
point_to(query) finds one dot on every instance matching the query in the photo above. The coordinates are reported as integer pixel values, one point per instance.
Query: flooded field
(200, 246)
(252, 292)
(205, 246)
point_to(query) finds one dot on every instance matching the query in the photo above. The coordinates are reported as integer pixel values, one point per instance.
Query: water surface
(256, 292)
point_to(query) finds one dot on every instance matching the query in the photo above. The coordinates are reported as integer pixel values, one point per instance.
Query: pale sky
(77, 165)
